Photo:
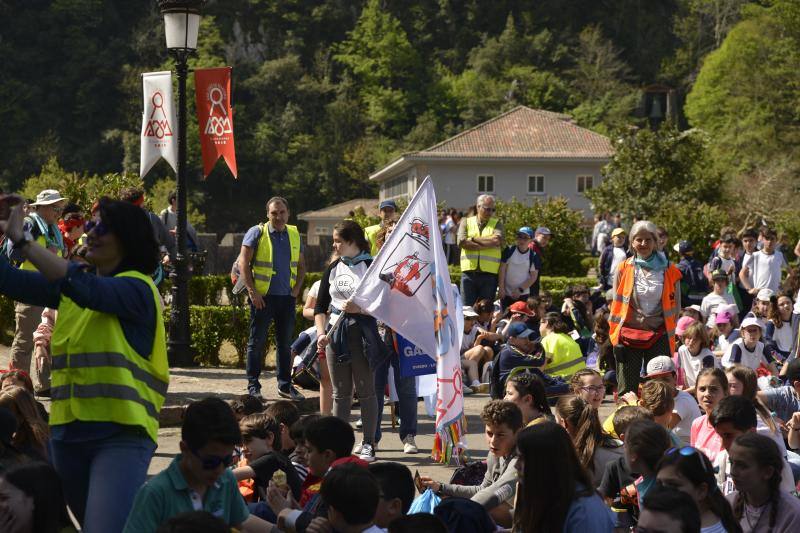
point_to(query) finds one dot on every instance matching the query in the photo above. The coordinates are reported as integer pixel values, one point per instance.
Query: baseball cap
(723, 317)
(695, 307)
(543, 230)
(617, 231)
(520, 330)
(764, 295)
(48, 197)
(719, 274)
(683, 323)
(731, 309)
(388, 203)
(527, 230)
(660, 365)
(683, 246)
(469, 312)
(521, 307)
(752, 321)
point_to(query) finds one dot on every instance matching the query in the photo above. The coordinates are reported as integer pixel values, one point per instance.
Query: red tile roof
(523, 133)
(341, 210)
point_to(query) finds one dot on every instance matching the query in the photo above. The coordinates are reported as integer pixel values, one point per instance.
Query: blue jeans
(281, 310)
(477, 286)
(101, 477)
(406, 393)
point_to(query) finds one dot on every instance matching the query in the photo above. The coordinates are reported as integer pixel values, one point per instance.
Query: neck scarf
(657, 261)
(50, 232)
(350, 261)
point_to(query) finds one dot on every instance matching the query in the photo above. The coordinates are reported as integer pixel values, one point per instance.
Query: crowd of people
(696, 362)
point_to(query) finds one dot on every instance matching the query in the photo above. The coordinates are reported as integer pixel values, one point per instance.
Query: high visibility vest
(371, 233)
(27, 265)
(567, 357)
(263, 268)
(97, 376)
(622, 300)
(486, 259)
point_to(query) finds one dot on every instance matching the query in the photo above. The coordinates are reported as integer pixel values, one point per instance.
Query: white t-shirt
(649, 285)
(783, 337)
(468, 339)
(738, 353)
(518, 269)
(618, 257)
(693, 364)
(685, 407)
(711, 301)
(314, 290)
(765, 269)
(343, 282)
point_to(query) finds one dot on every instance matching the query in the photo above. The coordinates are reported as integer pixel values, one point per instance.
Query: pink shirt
(703, 437)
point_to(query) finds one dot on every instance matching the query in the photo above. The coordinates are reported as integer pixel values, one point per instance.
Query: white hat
(752, 321)
(661, 364)
(469, 312)
(48, 197)
(764, 295)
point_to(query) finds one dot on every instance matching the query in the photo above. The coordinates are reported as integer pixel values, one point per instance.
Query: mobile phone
(418, 482)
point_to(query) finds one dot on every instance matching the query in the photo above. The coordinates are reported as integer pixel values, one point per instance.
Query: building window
(322, 230)
(396, 187)
(585, 183)
(485, 184)
(535, 184)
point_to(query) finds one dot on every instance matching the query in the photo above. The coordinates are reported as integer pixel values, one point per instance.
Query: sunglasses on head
(688, 451)
(97, 226)
(210, 462)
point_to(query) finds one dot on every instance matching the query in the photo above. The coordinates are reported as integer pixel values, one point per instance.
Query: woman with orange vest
(645, 307)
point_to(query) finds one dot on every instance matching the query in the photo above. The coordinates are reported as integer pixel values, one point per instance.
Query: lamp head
(181, 22)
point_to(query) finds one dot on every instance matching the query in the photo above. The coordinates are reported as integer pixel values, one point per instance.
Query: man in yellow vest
(480, 238)
(272, 266)
(42, 223)
(388, 208)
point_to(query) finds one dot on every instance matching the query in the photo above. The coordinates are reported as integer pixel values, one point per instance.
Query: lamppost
(181, 25)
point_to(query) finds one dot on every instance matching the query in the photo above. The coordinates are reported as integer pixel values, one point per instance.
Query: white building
(525, 153)
(322, 221)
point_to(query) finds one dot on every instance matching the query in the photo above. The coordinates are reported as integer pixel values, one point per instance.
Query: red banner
(214, 117)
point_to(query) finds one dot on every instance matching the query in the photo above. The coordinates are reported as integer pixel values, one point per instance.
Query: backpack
(236, 279)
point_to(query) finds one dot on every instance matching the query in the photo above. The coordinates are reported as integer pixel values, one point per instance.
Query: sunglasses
(688, 451)
(489, 209)
(99, 228)
(211, 462)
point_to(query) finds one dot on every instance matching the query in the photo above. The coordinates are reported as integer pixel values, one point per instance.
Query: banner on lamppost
(214, 117)
(159, 128)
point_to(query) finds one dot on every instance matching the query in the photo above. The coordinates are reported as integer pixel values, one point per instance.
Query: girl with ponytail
(595, 447)
(687, 469)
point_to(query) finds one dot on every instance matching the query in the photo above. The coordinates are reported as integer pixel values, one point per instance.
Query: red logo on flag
(158, 127)
(214, 117)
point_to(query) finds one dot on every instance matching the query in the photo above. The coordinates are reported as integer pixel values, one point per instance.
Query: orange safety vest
(622, 299)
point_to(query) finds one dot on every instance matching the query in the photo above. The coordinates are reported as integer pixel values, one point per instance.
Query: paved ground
(187, 384)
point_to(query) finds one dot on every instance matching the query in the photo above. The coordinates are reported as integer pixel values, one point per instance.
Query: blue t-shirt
(589, 514)
(280, 285)
(783, 401)
(168, 494)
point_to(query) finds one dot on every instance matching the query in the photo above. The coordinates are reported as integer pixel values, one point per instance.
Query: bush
(588, 263)
(7, 320)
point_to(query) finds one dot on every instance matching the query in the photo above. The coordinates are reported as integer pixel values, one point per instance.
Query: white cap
(764, 295)
(469, 312)
(752, 321)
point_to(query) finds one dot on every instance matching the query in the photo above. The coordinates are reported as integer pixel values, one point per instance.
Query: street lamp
(181, 25)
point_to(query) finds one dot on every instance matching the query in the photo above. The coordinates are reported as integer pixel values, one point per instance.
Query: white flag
(408, 288)
(159, 129)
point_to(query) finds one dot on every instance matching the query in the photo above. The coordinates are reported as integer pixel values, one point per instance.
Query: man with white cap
(41, 225)
(662, 368)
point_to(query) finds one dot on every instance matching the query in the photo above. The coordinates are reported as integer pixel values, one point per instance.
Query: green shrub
(588, 263)
(7, 320)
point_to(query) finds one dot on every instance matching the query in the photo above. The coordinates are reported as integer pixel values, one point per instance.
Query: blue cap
(527, 230)
(520, 329)
(388, 203)
(543, 230)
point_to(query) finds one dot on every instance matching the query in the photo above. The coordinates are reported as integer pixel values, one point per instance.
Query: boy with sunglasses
(198, 479)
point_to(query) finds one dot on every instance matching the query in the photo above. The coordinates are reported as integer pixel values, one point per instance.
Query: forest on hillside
(327, 91)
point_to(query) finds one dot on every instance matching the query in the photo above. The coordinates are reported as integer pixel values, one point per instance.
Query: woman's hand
(12, 218)
(351, 307)
(322, 341)
(430, 483)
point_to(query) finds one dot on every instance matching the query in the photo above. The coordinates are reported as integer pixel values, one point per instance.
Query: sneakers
(409, 446)
(291, 393)
(367, 452)
(256, 394)
(359, 424)
(466, 390)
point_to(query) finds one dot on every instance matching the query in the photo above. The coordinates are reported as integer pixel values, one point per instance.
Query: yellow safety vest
(27, 265)
(263, 268)
(564, 355)
(371, 233)
(485, 260)
(97, 376)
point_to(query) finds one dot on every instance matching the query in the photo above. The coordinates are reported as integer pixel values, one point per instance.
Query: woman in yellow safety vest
(647, 300)
(109, 360)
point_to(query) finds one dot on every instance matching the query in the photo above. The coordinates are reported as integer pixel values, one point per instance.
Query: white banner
(159, 136)
(408, 288)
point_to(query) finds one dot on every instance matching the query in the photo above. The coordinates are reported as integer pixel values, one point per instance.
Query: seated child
(502, 420)
(285, 414)
(300, 455)
(397, 491)
(351, 494)
(748, 350)
(198, 478)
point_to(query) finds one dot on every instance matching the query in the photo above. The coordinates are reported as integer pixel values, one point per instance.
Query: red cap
(521, 308)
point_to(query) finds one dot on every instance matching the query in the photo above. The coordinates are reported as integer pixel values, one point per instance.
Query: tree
(650, 170)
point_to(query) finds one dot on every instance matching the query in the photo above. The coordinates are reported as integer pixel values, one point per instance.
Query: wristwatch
(27, 237)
